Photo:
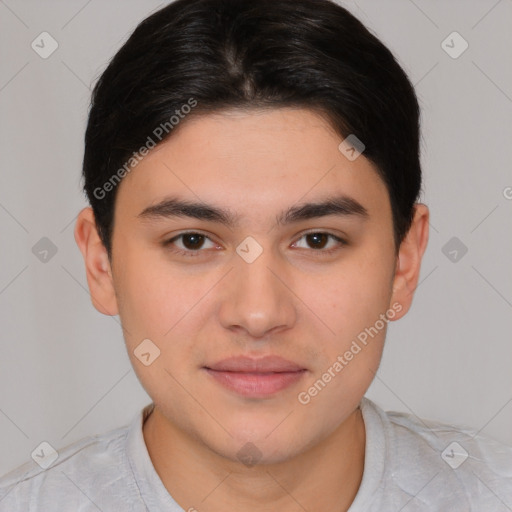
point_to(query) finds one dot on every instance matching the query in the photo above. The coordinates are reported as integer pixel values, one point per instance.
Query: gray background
(64, 371)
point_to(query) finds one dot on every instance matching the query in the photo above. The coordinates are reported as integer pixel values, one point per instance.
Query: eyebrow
(340, 205)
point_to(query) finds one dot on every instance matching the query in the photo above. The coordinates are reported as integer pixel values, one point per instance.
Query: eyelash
(195, 254)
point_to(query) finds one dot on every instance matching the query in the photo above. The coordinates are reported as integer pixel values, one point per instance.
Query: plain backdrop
(64, 370)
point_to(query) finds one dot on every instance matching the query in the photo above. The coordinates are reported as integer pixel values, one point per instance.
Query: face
(314, 286)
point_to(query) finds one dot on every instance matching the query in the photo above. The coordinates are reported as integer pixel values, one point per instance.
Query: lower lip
(256, 384)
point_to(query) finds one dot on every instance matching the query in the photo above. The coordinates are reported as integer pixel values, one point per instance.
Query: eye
(318, 240)
(192, 243)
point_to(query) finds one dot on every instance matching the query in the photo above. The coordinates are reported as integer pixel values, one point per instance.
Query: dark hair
(247, 54)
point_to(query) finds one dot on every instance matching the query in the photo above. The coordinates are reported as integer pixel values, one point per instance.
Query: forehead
(252, 162)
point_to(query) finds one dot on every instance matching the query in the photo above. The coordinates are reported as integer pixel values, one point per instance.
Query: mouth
(257, 378)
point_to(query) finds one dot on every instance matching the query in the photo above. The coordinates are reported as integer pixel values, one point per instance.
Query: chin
(251, 454)
(267, 446)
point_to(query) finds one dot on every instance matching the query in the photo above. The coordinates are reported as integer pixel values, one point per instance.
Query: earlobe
(97, 265)
(409, 258)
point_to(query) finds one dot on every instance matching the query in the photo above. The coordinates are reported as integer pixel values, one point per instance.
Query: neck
(325, 477)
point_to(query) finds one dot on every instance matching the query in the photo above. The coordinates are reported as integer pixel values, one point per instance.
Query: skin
(291, 301)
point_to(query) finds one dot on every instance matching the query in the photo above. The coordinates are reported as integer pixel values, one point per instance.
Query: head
(232, 216)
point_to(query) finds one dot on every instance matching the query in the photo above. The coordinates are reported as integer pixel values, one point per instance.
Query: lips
(256, 378)
(265, 364)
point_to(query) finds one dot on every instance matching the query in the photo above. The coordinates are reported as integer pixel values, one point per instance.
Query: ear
(408, 263)
(97, 265)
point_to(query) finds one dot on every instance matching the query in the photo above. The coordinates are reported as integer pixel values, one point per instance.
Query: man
(253, 173)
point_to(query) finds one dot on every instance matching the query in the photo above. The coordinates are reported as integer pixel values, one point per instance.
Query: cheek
(147, 298)
(353, 303)
(149, 292)
(166, 305)
(158, 305)
(350, 360)
(353, 297)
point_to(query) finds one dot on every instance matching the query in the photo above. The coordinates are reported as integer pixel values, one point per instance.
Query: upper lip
(249, 364)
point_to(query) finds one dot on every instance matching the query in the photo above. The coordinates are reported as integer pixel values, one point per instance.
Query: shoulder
(80, 472)
(449, 464)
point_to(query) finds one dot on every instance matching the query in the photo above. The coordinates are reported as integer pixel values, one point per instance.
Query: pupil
(318, 237)
(196, 241)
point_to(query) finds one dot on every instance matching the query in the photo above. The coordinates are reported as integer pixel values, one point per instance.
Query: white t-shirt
(410, 465)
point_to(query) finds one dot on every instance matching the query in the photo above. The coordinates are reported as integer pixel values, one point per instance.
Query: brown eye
(193, 241)
(318, 241)
(191, 244)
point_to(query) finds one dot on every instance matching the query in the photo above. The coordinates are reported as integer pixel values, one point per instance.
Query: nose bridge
(259, 277)
(257, 282)
(256, 298)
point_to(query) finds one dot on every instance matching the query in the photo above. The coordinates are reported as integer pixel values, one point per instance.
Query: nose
(258, 297)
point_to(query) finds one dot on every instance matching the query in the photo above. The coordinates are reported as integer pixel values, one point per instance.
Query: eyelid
(341, 241)
(325, 231)
(188, 252)
(190, 232)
